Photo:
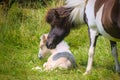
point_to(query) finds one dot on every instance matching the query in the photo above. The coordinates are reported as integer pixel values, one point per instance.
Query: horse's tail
(67, 55)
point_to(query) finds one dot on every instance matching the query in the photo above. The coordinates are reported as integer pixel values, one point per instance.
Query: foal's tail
(72, 60)
(67, 55)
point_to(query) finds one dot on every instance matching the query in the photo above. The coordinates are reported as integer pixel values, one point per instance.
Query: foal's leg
(93, 38)
(115, 55)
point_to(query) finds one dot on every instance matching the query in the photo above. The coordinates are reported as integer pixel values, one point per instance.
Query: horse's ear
(50, 15)
(57, 14)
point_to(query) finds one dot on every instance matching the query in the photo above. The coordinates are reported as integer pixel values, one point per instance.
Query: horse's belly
(100, 27)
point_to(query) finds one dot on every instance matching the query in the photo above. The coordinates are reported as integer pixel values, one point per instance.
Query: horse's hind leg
(115, 55)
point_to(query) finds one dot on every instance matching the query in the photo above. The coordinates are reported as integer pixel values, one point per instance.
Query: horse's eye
(52, 24)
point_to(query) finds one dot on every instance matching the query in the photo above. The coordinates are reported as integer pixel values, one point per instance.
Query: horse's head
(43, 50)
(60, 23)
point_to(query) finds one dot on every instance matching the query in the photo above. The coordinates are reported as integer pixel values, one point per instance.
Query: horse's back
(110, 18)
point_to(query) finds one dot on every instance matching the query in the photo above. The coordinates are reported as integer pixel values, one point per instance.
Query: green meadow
(20, 30)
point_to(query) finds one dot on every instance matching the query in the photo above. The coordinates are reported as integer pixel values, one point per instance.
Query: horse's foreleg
(115, 55)
(93, 39)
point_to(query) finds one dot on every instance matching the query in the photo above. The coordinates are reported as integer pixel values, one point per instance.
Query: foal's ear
(57, 14)
(46, 35)
(43, 38)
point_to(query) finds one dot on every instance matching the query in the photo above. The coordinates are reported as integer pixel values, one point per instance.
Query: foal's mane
(58, 16)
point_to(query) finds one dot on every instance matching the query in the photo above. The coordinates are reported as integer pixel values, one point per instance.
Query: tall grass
(20, 29)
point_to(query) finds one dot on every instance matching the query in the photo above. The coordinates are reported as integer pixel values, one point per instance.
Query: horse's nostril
(50, 45)
(47, 44)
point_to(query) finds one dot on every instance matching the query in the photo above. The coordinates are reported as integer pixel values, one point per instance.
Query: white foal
(61, 56)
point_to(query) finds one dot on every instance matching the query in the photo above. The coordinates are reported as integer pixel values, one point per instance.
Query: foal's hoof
(44, 65)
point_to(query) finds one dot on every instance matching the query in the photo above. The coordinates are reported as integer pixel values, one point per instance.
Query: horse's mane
(60, 15)
(71, 14)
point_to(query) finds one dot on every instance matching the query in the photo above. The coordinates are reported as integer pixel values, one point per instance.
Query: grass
(20, 30)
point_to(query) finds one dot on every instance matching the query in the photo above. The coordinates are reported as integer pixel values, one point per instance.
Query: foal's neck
(61, 47)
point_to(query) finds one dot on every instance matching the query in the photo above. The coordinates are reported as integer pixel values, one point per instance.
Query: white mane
(77, 14)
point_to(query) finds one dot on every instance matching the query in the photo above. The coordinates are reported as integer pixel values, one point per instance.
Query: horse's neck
(89, 11)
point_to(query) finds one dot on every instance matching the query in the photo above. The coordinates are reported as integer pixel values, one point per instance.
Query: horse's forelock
(63, 14)
(50, 15)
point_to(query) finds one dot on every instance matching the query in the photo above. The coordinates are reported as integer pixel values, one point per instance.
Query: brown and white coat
(101, 16)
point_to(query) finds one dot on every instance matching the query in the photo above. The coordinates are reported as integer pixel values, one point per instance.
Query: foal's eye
(41, 46)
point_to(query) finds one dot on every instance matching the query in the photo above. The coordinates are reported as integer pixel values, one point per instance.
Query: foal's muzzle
(40, 56)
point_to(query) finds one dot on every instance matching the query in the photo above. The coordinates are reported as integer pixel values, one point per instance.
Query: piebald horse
(101, 16)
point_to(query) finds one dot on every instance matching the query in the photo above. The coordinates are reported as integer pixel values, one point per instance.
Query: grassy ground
(20, 30)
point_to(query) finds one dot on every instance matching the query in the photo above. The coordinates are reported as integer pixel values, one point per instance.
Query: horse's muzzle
(50, 45)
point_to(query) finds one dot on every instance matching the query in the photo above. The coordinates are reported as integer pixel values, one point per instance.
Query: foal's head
(60, 23)
(43, 50)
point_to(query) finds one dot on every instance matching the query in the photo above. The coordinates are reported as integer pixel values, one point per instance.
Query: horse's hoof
(87, 72)
(118, 71)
